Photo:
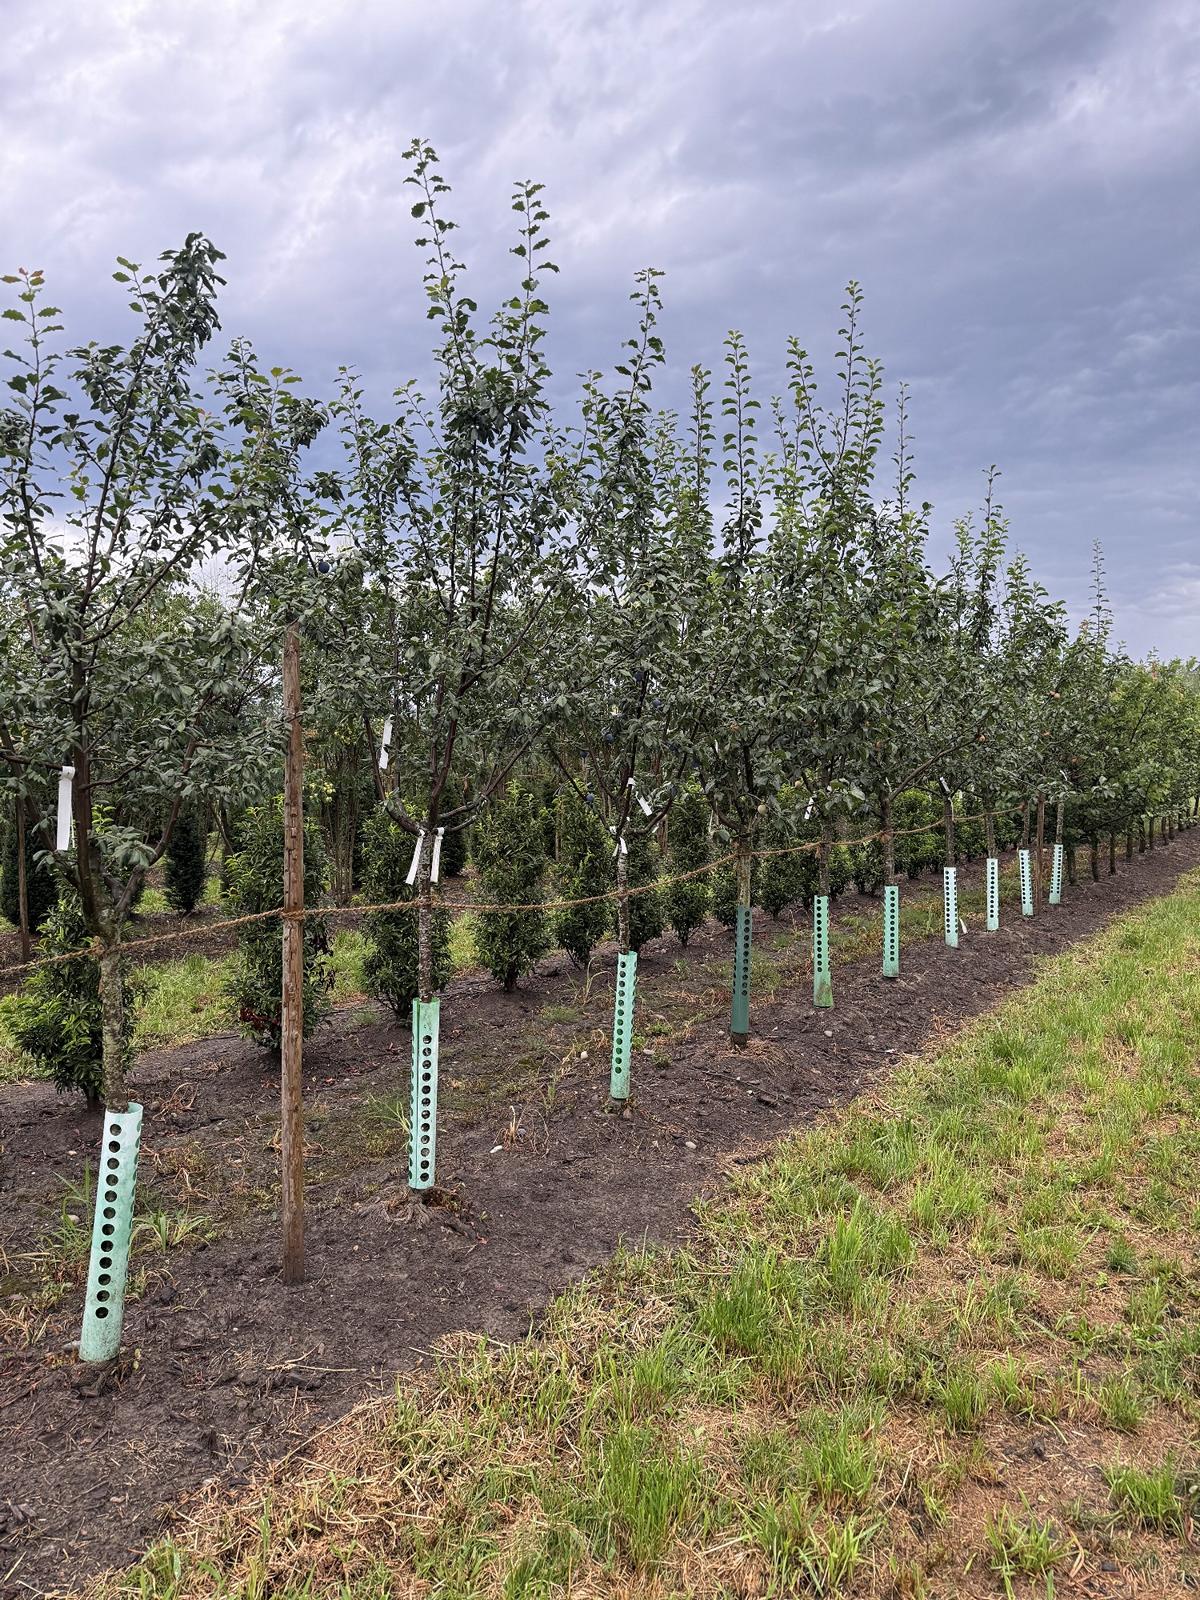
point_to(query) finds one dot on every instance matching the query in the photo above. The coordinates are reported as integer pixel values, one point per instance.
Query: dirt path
(541, 1182)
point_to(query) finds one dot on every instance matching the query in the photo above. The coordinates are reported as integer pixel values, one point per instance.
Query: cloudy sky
(1014, 184)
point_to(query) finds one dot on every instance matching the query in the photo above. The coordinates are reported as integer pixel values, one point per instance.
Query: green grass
(839, 1386)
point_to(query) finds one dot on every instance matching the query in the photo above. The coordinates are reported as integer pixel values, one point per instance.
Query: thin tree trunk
(989, 831)
(1094, 842)
(112, 1024)
(1112, 855)
(22, 881)
(1072, 866)
(1039, 854)
(888, 838)
(425, 915)
(823, 873)
(1150, 834)
(948, 826)
(744, 866)
(1128, 843)
(623, 928)
(1025, 809)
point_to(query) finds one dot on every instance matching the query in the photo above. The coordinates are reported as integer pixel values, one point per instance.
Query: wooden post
(22, 881)
(291, 1043)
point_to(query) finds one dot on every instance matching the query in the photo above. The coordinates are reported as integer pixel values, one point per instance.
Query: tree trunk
(622, 899)
(425, 914)
(1094, 842)
(112, 1023)
(743, 867)
(989, 831)
(1025, 826)
(888, 838)
(948, 826)
(1072, 866)
(1128, 843)
(1171, 826)
(1039, 854)
(1112, 854)
(823, 873)
(22, 881)
(1141, 833)
(1150, 834)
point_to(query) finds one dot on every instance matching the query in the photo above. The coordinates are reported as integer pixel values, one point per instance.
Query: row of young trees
(725, 618)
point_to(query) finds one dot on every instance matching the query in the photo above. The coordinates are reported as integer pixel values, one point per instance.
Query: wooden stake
(291, 1043)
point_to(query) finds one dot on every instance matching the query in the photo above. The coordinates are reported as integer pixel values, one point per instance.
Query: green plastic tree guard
(1026, 867)
(822, 982)
(622, 1044)
(739, 1021)
(993, 894)
(112, 1226)
(950, 905)
(422, 1143)
(1056, 876)
(891, 930)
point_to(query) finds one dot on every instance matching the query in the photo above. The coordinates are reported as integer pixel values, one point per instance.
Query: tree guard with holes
(622, 1041)
(1026, 867)
(1056, 876)
(739, 1020)
(993, 894)
(104, 1306)
(891, 930)
(822, 982)
(422, 1141)
(950, 905)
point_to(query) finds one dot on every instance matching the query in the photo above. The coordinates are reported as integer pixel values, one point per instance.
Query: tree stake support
(1056, 876)
(993, 894)
(622, 1042)
(950, 905)
(822, 982)
(112, 1229)
(739, 1021)
(422, 1138)
(891, 930)
(1026, 867)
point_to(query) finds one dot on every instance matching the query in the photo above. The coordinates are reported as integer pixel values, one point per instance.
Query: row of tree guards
(112, 1224)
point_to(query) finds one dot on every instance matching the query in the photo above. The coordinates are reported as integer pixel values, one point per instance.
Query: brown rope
(180, 935)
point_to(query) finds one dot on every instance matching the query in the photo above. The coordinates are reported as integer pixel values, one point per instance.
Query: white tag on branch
(66, 781)
(808, 810)
(945, 786)
(385, 744)
(416, 860)
(437, 855)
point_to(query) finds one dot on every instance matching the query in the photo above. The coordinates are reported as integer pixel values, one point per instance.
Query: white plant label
(385, 744)
(436, 867)
(66, 780)
(416, 860)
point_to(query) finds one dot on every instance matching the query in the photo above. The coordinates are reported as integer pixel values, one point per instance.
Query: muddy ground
(539, 1182)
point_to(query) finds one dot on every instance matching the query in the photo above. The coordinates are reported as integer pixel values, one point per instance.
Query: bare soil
(540, 1180)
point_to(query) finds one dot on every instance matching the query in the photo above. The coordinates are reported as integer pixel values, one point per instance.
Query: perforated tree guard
(993, 894)
(1056, 876)
(950, 905)
(822, 982)
(739, 1020)
(422, 1139)
(112, 1226)
(622, 1043)
(891, 930)
(1026, 865)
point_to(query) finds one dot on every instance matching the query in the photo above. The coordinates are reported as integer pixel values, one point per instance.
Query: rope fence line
(181, 935)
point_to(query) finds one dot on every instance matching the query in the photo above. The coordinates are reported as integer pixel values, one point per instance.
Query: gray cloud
(1013, 184)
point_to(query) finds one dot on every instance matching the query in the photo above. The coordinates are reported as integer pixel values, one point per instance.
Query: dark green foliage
(56, 1020)
(454, 852)
(867, 866)
(510, 852)
(186, 861)
(584, 868)
(40, 891)
(646, 918)
(1008, 829)
(841, 870)
(256, 884)
(686, 904)
(723, 895)
(969, 840)
(390, 970)
(233, 826)
(916, 852)
(549, 805)
(782, 880)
